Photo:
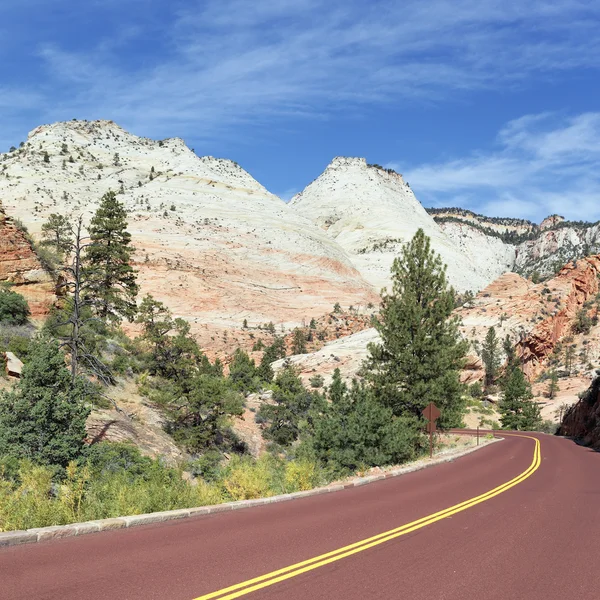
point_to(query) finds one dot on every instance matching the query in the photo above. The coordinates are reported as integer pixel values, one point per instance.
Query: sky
(483, 104)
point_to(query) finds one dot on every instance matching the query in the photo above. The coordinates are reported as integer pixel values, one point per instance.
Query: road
(536, 538)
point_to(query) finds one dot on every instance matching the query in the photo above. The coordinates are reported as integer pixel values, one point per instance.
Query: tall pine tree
(421, 352)
(517, 408)
(112, 286)
(490, 354)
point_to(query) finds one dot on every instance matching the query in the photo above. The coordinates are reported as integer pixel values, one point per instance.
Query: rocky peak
(371, 211)
(211, 241)
(551, 221)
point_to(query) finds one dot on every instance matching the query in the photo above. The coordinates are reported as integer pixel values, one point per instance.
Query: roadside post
(431, 412)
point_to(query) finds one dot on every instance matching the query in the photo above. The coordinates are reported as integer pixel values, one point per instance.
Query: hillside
(519, 245)
(540, 319)
(370, 212)
(212, 243)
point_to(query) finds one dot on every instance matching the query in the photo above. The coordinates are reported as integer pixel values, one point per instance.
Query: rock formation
(21, 268)
(370, 212)
(582, 421)
(212, 243)
(518, 245)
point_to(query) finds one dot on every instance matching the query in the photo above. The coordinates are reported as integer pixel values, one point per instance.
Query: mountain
(371, 211)
(518, 245)
(211, 242)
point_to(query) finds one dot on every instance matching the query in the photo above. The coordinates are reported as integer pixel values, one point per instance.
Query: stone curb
(42, 534)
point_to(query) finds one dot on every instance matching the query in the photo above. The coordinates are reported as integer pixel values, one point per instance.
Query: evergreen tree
(242, 372)
(355, 431)
(337, 389)
(43, 417)
(293, 408)
(490, 354)
(57, 232)
(299, 342)
(172, 352)
(553, 384)
(517, 409)
(421, 352)
(14, 309)
(112, 287)
(201, 418)
(569, 358)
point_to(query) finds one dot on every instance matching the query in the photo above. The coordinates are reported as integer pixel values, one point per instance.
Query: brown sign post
(431, 412)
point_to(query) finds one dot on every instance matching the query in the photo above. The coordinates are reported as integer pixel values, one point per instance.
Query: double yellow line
(252, 585)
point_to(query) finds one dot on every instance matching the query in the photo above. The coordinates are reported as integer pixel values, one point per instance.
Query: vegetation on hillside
(50, 475)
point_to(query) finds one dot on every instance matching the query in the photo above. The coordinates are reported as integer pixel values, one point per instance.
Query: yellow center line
(252, 585)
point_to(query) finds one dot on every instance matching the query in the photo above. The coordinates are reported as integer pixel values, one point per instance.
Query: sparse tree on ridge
(57, 232)
(111, 278)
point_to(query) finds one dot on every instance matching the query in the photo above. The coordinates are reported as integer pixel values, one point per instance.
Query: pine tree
(57, 232)
(242, 372)
(569, 358)
(43, 417)
(553, 384)
(337, 389)
(355, 431)
(421, 352)
(292, 408)
(517, 409)
(299, 342)
(490, 356)
(111, 278)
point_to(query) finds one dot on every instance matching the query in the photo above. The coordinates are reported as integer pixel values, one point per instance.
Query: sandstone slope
(538, 318)
(370, 212)
(211, 241)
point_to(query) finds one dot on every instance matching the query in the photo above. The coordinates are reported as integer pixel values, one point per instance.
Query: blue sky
(489, 105)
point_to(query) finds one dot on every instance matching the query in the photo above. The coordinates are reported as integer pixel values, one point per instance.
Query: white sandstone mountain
(211, 242)
(518, 245)
(370, 212)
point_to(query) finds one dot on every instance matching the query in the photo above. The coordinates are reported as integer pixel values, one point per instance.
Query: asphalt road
(536, 538)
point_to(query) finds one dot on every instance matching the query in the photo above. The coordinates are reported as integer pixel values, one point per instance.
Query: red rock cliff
(20, 266)
(578, 284)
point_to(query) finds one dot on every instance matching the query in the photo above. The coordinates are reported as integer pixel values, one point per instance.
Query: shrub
(14, 309)
(317, 381)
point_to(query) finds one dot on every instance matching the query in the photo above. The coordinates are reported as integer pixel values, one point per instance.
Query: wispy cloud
(208, 66)
(545, 163)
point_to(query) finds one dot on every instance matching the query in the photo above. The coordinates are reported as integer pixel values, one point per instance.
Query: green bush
(14, 309)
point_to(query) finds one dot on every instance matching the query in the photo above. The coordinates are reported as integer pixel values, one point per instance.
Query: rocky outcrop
(582, 421)
(370, 212)
(212, 243)
(517, 245)
(577, 285)
(21, 268)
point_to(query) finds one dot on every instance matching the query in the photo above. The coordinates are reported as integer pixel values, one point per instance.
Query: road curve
(535, 539)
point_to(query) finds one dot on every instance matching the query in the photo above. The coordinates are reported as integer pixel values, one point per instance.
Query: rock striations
(211, 242)
(20, 268)
(518, 245)
(370, 212)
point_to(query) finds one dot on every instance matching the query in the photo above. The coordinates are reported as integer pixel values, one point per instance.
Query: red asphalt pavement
(538, 540)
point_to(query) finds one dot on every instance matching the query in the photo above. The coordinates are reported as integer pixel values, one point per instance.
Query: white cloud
(222, 63)
(544, 164)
